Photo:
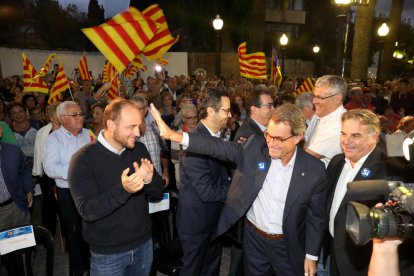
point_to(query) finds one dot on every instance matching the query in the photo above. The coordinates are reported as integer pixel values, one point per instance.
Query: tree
(391, 38)
(362, 40)
(96, 13)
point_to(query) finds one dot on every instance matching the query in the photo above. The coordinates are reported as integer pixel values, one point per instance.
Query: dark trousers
(236, 260)
(201, 256)
(78, 249)
(49, 203)
(263, 256)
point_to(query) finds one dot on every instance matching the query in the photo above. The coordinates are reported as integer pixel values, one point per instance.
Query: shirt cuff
(311, 257)
(186, 141)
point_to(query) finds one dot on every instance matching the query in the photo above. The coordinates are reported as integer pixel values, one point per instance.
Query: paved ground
(61, 264)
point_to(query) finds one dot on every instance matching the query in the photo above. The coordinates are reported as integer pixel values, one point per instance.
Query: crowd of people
(265, 165)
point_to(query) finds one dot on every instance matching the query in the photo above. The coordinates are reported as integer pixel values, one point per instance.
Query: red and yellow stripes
(162, 61)
(60, 85)
(83, 69)
(110, 74)
(32, 82)
(45, 68)
(252, 65)
(123, 37)
(306, 86)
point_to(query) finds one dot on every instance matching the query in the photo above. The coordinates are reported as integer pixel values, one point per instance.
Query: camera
(364, 223)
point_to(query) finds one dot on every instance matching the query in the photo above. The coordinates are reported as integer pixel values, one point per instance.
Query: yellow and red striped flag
(110, 74)
(32, 82)
(306, 86)
(163, 40)
(123, 37)
(252, 65)
(60, 85)
(275, 72)
(162, 61)
(133, 67)
(83, 69)
(45, 68)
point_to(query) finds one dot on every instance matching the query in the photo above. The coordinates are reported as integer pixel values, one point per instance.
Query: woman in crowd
(167, 110)
(239, 100)
(97, 113)
(18, 93)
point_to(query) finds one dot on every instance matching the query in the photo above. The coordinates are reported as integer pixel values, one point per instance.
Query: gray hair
(188, 108)
(62, 108)
(304, 99)
(333, 84)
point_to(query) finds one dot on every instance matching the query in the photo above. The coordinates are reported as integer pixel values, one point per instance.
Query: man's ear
(210, 111)
(111, 125)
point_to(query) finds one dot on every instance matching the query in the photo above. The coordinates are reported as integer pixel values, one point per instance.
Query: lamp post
(218, 25)
(383, 31)
(343, 29)
(283, 42)
(316, 50)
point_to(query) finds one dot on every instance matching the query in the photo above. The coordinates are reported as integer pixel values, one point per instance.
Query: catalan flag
(32, 82)
(252, 65)
(162, 61)
(45, 68)
(163, 40)
(133, 67)
(276, 73)
(60, 85)
(306, 86)
(110, 74)
(123, 37)
(83, 69)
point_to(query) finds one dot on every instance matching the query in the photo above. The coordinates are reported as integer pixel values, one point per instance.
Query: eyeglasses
(270, 138)
(268, 105)
(323, 98)
(191, 118)
(75, 116)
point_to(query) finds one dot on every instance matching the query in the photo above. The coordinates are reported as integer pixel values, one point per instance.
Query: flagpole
(70, 91)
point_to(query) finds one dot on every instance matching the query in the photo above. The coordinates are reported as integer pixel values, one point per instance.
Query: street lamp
(218, 25)
(316, 50)
(283, 42)
(383, 31)
(343, 29)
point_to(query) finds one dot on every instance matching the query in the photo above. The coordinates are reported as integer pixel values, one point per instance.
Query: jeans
(134, 262)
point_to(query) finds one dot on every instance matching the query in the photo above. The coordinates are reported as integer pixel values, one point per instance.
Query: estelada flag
(45, 68)
(123, 37)
(60, 85)
(163, 40)
(83, 69)
(306, 86)
(252, 65)
(32, 82)
(276, 73)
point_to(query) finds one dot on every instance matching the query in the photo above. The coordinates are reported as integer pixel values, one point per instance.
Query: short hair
(61, 109)
(113, 110)
(187, 108)
(289, 114)
(28, 96)
(14, 104)
(166, 94)
(304, 99)
(140, 99)
(254, 100)
(334, 84)
(100, 105)
(364, 116)
(211, 98)
(355, 90)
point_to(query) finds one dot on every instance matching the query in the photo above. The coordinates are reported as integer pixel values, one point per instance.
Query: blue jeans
(134, 262)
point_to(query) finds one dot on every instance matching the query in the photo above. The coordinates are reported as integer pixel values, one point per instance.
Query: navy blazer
(248, 128)
(16, 173)
(204, 185)
(354, 259)
(304, 219)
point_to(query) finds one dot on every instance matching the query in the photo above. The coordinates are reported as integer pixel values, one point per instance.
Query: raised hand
(134, 182)
(165, 131)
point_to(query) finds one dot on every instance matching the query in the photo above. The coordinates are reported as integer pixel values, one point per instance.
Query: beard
(126, 141)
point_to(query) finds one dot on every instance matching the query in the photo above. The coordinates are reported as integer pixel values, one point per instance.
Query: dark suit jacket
(205, 182)
(248, 128)
(352, 259)
(304, 219)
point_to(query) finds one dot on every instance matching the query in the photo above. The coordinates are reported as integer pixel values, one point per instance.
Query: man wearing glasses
(204, 185)
(279, 187)
(61, 145)
(328, 96)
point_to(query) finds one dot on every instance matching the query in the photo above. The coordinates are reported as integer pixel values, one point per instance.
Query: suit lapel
(254, 126)
(297, 180)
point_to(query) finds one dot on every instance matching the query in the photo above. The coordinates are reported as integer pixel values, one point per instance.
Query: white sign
(17, 238)
(159, 204)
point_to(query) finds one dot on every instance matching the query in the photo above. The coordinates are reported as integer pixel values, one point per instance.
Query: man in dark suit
(204, 185)
(362, 159)
(279, 186)
(258, 106)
